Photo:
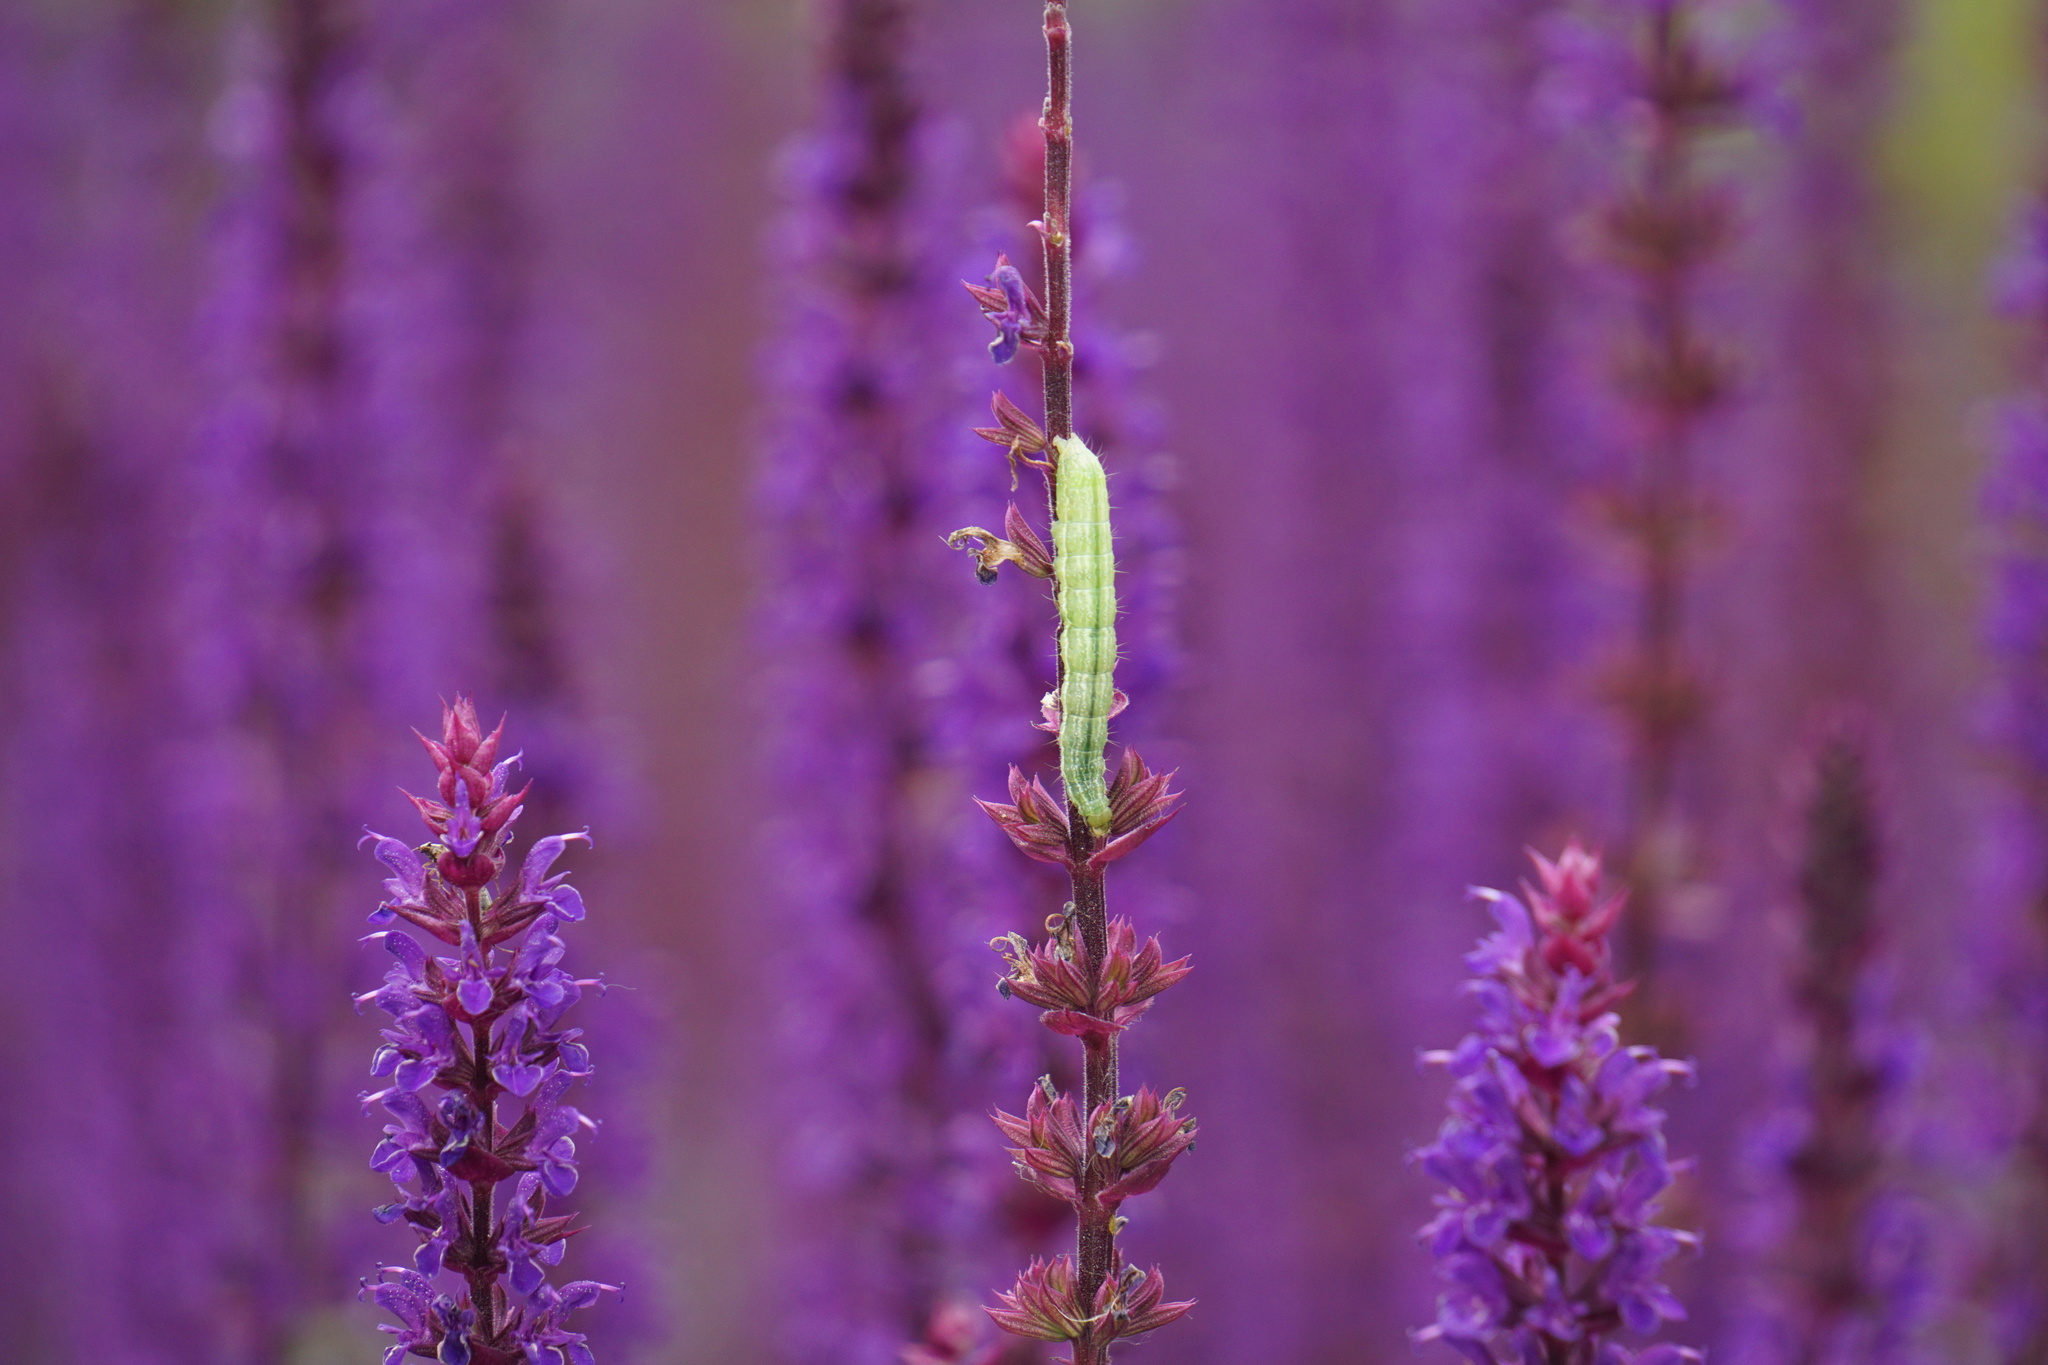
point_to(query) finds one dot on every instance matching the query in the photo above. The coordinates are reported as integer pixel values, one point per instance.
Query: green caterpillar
(1084, 567)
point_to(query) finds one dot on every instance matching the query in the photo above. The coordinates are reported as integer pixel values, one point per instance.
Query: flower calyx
(1081, 998)
(1019, 545)
(1050, 1150)
(1141, 803)
(1034, 820)
(422, 892)
(1141, 1136)
(1041, 1304)
(1131, 1303)
(1129, 1144)
(1019, 436)
(1128, 1303)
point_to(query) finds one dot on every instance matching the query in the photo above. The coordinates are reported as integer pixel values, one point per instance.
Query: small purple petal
(583, 1293)
(407, 950)
(526, 1276)
(428, 1258)
(568, 902)
(533, 872)
(465, 830)
(475, 993)
(520, 1078)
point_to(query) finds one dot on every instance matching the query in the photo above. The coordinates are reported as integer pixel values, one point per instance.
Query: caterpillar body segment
(1084, 568)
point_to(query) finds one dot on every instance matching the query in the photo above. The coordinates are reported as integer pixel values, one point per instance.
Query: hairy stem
(1056, 226)
(481, 1276)
(1095, 1239)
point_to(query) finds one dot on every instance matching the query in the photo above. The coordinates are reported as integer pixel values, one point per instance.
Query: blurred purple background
(606, 361)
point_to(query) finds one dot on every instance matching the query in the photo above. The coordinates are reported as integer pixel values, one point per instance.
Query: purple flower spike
(1553, 1158)
(1840, 1244)
(484, 1028)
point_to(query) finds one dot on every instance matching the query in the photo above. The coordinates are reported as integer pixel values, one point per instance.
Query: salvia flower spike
(1091, 977)
(1663, 234)
(1851, 1275)
(1553, 1156)
(475, 1034)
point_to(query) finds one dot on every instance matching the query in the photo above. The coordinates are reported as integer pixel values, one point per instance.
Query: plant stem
(1095, 1241)
(1056, 227)
(482, 1273)
(481, 1276)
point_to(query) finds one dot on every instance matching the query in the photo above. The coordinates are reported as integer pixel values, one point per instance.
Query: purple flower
(407, 885)
(536, 886)
(525, 1244)
(420, 1040)
(544, 1340)
(409, 1297)
(453, 1323)
(1015, 314)
(1552, 1156)
(480, 1026)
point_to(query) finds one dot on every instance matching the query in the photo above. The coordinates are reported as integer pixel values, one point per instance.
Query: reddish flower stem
(483, 1269)
(1095, 1241)
(1056, 226)
(1093, 978)
(1094, 1238)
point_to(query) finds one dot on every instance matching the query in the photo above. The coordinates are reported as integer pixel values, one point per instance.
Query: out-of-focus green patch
(1959, 146)
(337, 1336)
(1964, 129)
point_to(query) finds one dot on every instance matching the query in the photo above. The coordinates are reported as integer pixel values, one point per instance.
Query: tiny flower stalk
(484, 1027)
(1662, 232)
(1091, 976)
(1553, 1156)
